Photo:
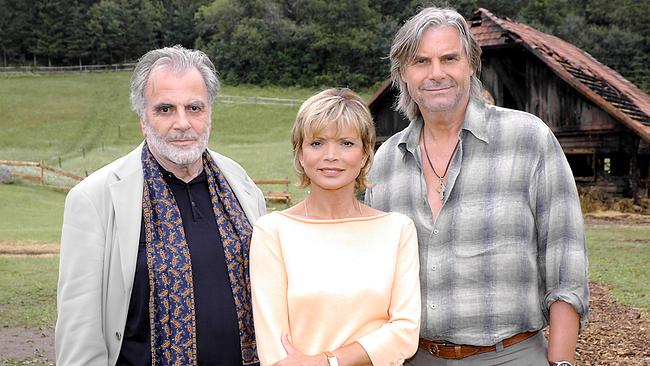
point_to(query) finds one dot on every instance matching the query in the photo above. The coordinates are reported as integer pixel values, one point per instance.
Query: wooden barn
(601, 120)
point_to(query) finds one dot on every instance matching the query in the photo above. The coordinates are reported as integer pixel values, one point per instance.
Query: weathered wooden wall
(387, 120)
(603, 152)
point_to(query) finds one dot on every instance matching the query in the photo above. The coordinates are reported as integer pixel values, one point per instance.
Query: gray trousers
(530, 352)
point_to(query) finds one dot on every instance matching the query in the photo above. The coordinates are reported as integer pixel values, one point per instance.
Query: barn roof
(602, 85)
(597, 82)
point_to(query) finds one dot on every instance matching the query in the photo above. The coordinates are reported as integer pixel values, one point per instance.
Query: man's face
(176, 122)
(438, 79)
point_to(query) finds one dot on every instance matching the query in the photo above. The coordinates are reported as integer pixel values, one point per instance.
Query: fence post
(41, 164)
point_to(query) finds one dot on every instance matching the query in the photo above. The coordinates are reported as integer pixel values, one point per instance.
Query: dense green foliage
(295, 42)
(62, 32)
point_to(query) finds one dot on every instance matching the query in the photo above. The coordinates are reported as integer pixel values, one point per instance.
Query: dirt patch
(20, 248)
(616, 217)
(615, 335)
(27, 346)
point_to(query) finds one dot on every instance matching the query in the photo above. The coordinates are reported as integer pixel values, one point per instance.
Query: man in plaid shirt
(502, 249)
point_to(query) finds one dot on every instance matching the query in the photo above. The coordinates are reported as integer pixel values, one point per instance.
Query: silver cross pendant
(441, 189)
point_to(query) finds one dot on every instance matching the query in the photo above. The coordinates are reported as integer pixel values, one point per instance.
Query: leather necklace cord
(441, 184)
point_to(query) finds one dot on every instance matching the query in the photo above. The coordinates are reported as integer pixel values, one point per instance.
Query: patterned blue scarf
(171, 296)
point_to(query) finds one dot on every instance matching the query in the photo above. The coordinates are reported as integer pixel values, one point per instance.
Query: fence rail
(61, 69)
(283, 196)
(20, 163)
(42, 168)
(238, 99)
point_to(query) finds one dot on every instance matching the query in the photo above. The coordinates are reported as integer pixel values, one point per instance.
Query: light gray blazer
(99, 249)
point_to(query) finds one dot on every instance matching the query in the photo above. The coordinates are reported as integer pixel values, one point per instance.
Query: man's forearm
(563, 332)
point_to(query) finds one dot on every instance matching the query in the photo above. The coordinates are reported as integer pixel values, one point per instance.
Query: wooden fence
(281, 196)
(62, 69)
(237, 99)
(41, 168)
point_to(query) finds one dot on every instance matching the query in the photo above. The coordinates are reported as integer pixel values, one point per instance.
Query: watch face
(562, 363)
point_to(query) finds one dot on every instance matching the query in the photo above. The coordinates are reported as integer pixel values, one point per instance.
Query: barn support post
(634, 174)
(647, 182)
(594, 166)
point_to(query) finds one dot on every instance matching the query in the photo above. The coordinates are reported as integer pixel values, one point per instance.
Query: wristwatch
(560, 363)
(332, 360)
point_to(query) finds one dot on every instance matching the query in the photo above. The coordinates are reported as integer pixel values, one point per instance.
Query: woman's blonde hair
(344, 108)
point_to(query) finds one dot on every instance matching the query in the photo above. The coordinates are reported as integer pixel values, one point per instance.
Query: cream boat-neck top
(329, 283)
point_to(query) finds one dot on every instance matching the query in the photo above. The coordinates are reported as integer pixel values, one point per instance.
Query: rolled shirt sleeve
(562, 253)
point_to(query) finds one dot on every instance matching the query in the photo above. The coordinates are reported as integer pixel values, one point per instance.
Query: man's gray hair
(405, 46)
(179, 60)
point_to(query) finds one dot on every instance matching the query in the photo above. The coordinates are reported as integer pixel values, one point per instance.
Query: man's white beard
(160, 145)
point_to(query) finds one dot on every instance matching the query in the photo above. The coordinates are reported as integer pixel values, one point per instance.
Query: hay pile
(595, 200)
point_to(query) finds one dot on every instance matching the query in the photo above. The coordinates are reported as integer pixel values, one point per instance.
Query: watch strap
(331, 359)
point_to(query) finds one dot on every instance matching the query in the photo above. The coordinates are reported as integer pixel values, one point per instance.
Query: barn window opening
(616, 165)
(582, 165)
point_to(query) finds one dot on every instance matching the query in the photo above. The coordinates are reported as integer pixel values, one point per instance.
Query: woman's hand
(296, 358)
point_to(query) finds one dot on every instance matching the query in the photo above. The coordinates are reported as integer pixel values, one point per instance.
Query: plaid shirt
(509, 239)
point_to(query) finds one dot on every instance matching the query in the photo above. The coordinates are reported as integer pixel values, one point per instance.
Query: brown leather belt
(458, 351)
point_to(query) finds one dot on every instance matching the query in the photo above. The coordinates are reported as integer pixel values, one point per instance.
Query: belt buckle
(433, 349)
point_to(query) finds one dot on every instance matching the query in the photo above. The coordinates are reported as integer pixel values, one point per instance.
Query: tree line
(296, 42)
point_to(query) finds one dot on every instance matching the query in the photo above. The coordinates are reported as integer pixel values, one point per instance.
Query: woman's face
(333, 158)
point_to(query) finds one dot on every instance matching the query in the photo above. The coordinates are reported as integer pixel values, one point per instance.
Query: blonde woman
(334, 281)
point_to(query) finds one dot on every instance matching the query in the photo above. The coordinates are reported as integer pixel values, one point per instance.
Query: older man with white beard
(154, 246)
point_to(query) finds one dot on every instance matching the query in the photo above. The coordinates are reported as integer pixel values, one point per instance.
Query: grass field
(84, 121)
(77, 117)
(619, 257)
(28, 291)
(30, 213)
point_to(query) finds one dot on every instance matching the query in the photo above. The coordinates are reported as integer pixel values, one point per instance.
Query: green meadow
(83, 121)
